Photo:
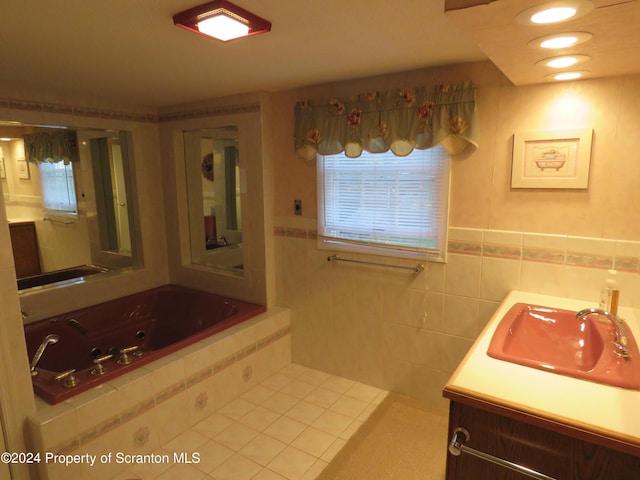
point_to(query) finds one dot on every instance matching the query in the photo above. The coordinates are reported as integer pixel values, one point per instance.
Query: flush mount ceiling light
(554, 12)
(564, 61)
(222, 20)
(560, 40)
(573, 75)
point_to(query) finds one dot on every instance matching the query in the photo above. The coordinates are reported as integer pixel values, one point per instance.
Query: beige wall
(408, 332)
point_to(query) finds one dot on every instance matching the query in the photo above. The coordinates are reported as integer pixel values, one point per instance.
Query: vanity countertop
(589, 407)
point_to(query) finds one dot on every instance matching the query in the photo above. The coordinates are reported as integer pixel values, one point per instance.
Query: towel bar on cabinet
(457, 447)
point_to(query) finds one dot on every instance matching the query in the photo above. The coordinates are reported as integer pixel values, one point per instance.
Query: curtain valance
(56, 146)
(397, 120)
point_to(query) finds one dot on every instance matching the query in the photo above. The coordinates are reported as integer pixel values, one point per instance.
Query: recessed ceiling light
(573, 75)
(554, 12)
(564, 61)
(560, 40)
(222, 20)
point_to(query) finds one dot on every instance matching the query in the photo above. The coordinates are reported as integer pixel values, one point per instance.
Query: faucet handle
(99, 368)
(125, 357)
(67, 378)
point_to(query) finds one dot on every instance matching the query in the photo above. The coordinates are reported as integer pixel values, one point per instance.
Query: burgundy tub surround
(149, 324)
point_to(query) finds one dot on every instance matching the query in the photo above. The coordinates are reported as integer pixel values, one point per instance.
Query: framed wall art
(23, 169)
(551, 159)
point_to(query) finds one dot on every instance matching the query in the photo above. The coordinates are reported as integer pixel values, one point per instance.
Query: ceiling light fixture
(222, 20)
(560, 40)
(573, 75)
(555, 12)
(564, 61)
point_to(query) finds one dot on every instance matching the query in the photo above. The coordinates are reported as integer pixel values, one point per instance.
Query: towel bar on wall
(417, 269)
(457, 447)
(54, 220)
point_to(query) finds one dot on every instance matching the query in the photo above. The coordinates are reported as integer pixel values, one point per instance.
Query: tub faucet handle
(99, 369)
(125, 355)
(68, 379)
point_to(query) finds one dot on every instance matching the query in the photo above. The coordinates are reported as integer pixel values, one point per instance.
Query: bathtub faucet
(620, 343)
(48, 340)
(77, 325)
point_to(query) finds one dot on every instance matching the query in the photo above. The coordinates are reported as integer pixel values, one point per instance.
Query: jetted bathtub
(107, 340)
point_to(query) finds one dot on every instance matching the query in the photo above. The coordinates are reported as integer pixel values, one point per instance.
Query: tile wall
(408, 332)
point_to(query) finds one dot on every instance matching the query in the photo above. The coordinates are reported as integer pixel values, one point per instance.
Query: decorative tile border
(465, 248)
(81, 111)
(509, 252)
(209, 112)
(153, 401)
(543, 255)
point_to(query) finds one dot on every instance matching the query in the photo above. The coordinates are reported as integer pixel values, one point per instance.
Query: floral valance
(397, 120)
(55, 146)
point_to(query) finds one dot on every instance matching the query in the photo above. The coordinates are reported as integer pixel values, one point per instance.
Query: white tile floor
(288, 427)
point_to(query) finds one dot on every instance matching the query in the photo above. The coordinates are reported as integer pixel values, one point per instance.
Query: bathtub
(146, 326)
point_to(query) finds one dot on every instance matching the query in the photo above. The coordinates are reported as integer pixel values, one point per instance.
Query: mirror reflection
(68, 198)
(214, 197)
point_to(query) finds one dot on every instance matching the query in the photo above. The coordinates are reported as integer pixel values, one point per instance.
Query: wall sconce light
(222, 20)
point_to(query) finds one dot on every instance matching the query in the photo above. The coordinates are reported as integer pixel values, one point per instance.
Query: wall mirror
(214, 181)
(69, 196)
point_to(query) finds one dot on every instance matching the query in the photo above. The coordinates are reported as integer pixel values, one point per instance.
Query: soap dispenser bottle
(608, 293)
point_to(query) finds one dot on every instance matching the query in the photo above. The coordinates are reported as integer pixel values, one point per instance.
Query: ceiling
(130, 51)
(614, 48)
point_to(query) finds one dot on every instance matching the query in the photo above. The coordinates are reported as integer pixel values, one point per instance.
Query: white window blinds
(58, 190)
(385, 204)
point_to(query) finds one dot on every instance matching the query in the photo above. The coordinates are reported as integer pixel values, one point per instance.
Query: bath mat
(403, 439)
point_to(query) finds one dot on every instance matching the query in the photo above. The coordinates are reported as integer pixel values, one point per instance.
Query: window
(58, 190)
(385, 204)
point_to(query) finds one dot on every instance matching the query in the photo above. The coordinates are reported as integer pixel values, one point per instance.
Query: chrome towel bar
(417, 269)
(62, 222)
(457, 447)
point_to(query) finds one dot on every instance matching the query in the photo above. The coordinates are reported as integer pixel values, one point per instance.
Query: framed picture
(551, 159)
(3, 172)
(23, 169)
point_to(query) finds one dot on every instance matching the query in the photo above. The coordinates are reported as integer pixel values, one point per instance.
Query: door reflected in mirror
(214, 197)
(70, 201)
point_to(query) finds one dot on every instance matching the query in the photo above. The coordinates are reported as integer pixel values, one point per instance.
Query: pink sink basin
(555, 340)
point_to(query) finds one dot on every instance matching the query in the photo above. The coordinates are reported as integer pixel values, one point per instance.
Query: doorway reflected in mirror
(214, 197)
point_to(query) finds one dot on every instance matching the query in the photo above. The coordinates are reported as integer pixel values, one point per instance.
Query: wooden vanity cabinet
(556, 450)
(24, 243)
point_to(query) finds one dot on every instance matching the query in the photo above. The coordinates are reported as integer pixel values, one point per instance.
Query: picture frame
(3, 172)
(551, 159)
(23, 169)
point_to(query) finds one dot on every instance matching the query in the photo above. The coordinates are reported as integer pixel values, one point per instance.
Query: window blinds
(398, 204)
(58, 191)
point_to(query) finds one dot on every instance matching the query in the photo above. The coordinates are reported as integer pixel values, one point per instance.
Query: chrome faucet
(48, 340)
(620, 343)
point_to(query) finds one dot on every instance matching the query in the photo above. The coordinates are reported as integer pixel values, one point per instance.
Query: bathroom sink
(555, 340)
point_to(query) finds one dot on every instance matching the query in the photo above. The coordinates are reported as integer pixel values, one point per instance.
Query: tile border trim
(622, 263)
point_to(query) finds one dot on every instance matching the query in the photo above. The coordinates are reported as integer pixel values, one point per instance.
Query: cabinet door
(24, 243)
(551, 453)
